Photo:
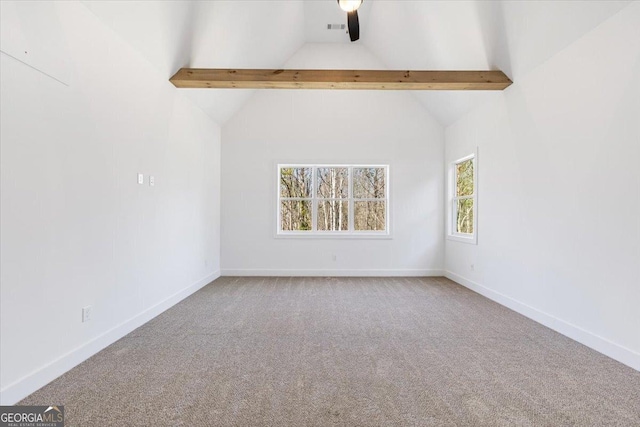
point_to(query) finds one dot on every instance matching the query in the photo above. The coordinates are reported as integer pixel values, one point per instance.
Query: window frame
(314, 233)
(452, 202)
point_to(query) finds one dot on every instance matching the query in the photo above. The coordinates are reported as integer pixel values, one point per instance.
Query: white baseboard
(23, 387)
(599, 344)
(333, 273)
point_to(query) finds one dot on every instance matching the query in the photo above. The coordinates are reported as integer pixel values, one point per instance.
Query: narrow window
(369, 199)
(463, 200)
(295, 199)
(333, 198)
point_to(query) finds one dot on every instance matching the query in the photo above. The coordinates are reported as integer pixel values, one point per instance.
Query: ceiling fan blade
(354, 25)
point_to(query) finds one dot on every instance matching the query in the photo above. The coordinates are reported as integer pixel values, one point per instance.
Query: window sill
(472, 240)
(345, 236)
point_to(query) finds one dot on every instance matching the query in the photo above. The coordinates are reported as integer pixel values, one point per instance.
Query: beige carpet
(344, 352)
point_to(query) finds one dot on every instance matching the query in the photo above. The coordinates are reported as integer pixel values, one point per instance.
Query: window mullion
(314, 200)
(352, 215)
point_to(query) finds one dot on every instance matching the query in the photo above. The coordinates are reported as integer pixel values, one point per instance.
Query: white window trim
(351, 234)
(451, 210)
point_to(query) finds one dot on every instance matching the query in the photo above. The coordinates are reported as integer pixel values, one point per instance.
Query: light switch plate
(152, 180)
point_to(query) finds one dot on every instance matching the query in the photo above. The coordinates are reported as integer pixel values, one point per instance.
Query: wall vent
(336, 26)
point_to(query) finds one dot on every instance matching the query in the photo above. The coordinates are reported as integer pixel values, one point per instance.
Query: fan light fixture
(353, 23)
(349, 5)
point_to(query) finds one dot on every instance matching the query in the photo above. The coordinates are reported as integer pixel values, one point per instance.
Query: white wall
(559, 191)
(332, 127)
(77, 229)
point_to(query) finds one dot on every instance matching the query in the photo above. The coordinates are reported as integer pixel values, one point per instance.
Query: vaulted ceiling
(513, 36)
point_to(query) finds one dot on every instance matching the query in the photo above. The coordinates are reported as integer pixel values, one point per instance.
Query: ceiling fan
(351, 7)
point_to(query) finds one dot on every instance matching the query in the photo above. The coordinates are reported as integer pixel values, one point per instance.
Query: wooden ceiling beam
(218, 78)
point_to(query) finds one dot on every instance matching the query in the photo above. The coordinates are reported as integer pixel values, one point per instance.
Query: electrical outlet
(140, 178)
(86, 314)
(152, 180)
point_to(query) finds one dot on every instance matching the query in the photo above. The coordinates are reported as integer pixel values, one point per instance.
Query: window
(333, 200)
(463, 200)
